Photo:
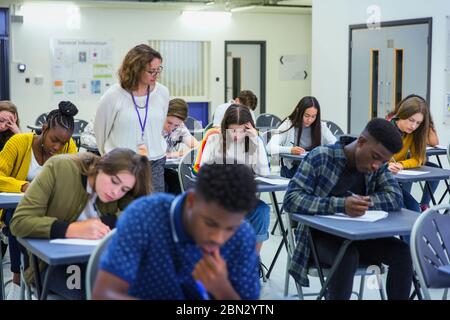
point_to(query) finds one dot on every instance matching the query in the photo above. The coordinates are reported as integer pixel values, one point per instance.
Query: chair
(267, 121)
(41, 120)
(361, 271)
(208, 126)
(430, 249)
(78, 128)
(79, 125)
(185, 175)
(192, 124)
(94, 261)
(334, 128)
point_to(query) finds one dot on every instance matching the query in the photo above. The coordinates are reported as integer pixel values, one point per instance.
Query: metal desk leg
(335, 265)
(283, 233)
(433, 200)
(2, 283)
(44, 292)
(37, 275)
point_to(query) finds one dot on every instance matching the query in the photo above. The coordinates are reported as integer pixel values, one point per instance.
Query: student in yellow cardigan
(412, 120)
(21, 160)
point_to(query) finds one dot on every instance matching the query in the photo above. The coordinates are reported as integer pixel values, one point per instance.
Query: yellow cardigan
(408, 145)
(15, 159)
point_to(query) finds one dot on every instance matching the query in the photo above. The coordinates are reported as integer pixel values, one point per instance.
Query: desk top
(9, 202)
(436, 152)
(396, 223)
(267, 187)
(57, 254)
(291, 156)
(434, 174)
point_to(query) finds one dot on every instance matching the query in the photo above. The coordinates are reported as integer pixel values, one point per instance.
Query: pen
(358, 196)
(202, 290)
(393, 159)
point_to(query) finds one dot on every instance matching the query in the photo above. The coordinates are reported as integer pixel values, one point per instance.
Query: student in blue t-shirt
(166, 245)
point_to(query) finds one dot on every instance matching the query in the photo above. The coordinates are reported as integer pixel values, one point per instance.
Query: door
(387, 64)
(4, 54)
(245, 70)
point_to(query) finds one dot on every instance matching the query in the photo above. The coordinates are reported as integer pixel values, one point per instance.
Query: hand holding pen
(395, 166)
(357, 205)
(296, 150)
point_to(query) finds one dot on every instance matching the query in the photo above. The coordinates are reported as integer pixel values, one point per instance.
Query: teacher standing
(131, 114)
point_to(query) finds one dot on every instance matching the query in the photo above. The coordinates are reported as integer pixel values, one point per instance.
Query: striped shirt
(309, 192)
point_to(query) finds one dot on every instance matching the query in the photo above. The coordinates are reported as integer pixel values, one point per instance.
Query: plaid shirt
(309, 193)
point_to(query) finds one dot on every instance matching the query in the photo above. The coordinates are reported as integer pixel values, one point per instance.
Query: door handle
(387, 108)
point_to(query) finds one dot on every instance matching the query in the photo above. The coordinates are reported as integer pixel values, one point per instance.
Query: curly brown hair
(134, 64)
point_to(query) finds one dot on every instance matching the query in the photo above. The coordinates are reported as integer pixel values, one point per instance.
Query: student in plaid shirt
(350, 176)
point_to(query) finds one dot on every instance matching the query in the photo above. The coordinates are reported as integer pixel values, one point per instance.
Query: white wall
(284, 33)
(330, 25)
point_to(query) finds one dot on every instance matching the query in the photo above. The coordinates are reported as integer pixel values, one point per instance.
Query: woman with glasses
(131, 113)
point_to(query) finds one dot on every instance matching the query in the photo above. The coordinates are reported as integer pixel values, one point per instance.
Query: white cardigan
(117, 125)
(212, 153)
(282, 141)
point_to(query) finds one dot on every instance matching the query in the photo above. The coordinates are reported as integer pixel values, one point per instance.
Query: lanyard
(138, 114)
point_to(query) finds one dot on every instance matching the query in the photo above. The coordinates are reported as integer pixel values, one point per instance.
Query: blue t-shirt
(152, 252)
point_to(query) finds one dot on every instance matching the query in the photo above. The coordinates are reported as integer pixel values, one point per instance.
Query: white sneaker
(14, 292)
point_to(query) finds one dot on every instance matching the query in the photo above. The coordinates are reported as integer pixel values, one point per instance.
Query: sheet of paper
(10, 194)
(411, 172)
(76, 242)
(273, 181)
(369, 216)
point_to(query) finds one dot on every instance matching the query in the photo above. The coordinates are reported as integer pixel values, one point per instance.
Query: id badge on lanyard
(141, 145)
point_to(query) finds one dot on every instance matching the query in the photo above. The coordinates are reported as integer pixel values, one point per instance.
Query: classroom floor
(273, 288)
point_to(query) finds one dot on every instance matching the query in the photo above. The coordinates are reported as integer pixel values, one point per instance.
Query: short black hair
(385, 133)
(231, 186)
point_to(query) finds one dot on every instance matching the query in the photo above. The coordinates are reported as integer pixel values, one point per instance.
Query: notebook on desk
(369, 216)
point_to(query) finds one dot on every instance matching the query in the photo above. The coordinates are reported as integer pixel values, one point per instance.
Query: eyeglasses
(154, 72)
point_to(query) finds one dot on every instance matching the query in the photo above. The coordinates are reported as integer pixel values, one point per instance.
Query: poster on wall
(81, 68)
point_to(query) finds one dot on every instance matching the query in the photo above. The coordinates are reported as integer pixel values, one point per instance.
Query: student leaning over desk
(193, 246)
(432, 139)
(350, 177)
(80, 196)
(413, 122)
(299, 132)
(21, 160)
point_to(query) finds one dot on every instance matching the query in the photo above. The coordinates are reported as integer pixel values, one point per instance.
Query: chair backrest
(79, 125)
(94, 261)
(41, 119)
(430, 248)
(192, 124)
(267, 120)
(185, 174)
(448, 153)
(208, 126)
(267, 135)
(334, 128)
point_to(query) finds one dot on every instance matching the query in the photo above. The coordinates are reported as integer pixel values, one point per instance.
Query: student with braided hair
(23, 157)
